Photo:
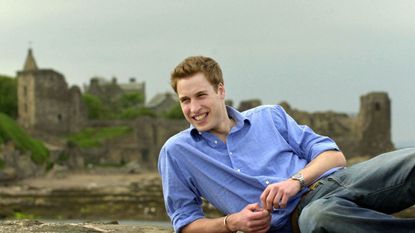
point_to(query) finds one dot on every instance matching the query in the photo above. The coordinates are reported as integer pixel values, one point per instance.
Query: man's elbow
(340, 159)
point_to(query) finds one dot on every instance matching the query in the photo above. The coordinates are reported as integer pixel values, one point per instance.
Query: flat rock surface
(83, 180)
(24, 226)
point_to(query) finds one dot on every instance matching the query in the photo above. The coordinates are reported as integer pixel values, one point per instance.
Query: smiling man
(265, 172)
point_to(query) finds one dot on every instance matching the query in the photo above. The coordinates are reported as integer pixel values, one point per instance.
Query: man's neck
(224, 131)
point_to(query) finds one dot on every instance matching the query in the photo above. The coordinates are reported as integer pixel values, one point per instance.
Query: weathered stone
(8, 174)
(247, 104)
(163, 102)
(367, 134)
(89, 196)
(45, 103)
(24, 226)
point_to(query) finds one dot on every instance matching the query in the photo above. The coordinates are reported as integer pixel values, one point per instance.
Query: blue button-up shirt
(265, 146)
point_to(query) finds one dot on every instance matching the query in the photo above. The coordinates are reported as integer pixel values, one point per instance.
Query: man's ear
(221, 90)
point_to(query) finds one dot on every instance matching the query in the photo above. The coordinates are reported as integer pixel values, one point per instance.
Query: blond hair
(197, 64)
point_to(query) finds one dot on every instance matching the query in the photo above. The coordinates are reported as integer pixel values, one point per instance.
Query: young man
(257, 167)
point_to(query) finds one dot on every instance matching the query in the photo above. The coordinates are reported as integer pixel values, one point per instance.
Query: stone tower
(26, 92)
(44, 102)
(374, 123)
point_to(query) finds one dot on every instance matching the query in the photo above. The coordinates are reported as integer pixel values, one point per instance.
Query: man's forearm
(322, 163)
(207, 225)
(250, 219)
(278, 194)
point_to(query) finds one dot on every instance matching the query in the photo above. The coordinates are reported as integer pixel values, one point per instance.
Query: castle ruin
(367, 134)
(110, 92)
(45, 103)
(48, 106)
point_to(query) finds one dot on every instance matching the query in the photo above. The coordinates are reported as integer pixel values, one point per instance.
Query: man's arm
(278, 194)
(249, 219)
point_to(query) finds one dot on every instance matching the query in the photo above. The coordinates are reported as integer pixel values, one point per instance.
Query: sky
(317, 55)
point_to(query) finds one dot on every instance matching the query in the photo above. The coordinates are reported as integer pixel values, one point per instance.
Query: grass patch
(8, 92)
(2, 164)
(10, 131)
(95, 137)
(20, 215)
(132, 113)
(62, 158)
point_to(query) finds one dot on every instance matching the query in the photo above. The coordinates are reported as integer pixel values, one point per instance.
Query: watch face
(300, 178)
(297, 176)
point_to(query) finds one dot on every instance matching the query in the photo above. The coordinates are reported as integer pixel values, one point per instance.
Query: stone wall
(373, 124)
(367, 134)
(47, 105)
(17, 164)
(109, 92)
(140, 147)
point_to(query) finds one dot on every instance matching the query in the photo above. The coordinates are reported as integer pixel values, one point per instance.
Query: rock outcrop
(24, 226)
(88, 197)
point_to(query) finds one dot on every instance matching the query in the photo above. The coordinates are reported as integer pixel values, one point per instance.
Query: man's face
(202, 106)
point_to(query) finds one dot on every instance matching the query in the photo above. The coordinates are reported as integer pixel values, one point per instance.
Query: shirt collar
(240, 120)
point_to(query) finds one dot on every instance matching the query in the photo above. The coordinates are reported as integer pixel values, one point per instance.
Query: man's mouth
(200, 117)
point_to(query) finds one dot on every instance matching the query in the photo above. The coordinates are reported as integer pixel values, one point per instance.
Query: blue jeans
(362, 197)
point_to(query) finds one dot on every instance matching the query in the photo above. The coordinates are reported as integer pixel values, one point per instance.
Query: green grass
(20, 216)
(2, 164)
(131, 113)
(8, 93)
(10, 131)
(95, 137)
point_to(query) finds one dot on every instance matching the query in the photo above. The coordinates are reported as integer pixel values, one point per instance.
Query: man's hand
(278, 194)
(252, 218)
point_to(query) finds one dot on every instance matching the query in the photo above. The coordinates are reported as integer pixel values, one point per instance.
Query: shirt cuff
(185, 217)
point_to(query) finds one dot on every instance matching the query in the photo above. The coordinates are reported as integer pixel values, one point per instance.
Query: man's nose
(194, 106)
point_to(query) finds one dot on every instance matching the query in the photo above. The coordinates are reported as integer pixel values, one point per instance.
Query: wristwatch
(300, 178)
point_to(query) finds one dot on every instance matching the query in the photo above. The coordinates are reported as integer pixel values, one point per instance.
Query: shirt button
(230, 153)
(239, 170)
(216, 142)
(267, 182)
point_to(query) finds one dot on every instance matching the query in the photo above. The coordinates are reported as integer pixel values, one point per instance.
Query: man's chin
(201, 128)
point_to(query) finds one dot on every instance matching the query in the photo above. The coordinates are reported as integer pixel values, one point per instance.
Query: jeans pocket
(339, 177)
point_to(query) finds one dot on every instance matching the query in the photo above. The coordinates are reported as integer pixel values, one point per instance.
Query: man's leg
(384, 184)
(335, 215)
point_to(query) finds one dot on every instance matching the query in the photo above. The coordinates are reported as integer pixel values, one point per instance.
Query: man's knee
(315, 216)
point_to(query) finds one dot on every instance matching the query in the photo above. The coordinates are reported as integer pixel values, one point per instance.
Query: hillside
(11, 132)
(8, 92)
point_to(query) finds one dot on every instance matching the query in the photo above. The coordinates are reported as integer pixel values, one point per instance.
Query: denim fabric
(360, 198)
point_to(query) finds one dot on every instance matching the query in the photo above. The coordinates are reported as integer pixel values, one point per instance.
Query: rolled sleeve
(182, 203)
(302, 138)
(185, 216)
(325, 145)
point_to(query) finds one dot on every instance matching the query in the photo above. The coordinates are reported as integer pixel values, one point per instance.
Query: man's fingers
(252, 207)
(284, 201)
(263, 198)
(258, 215)
(270, 198)
(260, 225)
(276, 201)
